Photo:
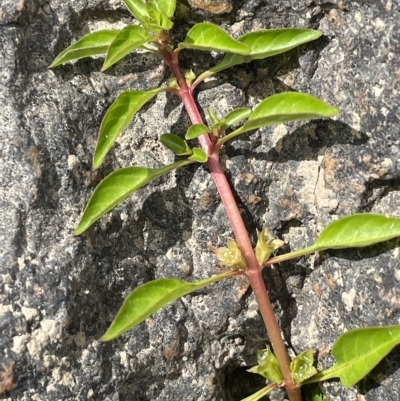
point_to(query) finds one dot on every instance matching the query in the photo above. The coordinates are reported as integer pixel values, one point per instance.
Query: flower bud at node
(231, 256)
(266, 245)
(172, 83)
(190, 76)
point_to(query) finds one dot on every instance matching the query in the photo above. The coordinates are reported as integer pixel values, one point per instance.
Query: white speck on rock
(30, 314)
(19, 343)
(72, 161)
(348, 299)
(397, 274)
(49, 331)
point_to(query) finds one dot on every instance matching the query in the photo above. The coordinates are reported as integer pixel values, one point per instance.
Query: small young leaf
(116, 187)
(302, 367)
(213, 115)
(261, 393)
(166, 6)
(89, 45)
(138, 8)
(270, 42)
(318, 396)
(230, 119)
(159, 21)
(357, 352)
(176, 144)
(130, 38)
(198, 155)
(148, 298)
(207, 36)
(268, 366)
(118, 116)
(236, 116)
(196, 130)
(282, 108)
(357, 230)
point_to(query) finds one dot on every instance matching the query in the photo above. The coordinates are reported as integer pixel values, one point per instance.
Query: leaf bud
(231, 256)
(266, 245)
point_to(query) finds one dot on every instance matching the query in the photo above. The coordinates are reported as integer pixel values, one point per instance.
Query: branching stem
(254, 273)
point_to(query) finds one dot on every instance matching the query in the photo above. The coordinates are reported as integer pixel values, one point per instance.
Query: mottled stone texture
(58, 293)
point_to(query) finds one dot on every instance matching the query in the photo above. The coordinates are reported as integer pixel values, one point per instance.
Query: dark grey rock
(59, 293)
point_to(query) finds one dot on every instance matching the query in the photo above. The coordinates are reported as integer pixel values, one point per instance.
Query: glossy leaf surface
(176, 144)
(270, 42)
(357, 230)
(117, 117)
(148, 298)
(116, 187)
(282, 108)
(196, 130)
(207, 36)
(358, 351)
(262, 44)
(130, 38)
(302, 367)
(89, 45)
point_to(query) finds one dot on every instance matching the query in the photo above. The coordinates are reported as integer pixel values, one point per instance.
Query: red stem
(253, 273)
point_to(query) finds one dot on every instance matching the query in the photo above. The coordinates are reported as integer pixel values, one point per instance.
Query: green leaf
(118, 116)
(207, 36)
(286, 107)
(176, 144)
(358, 230)
(198, 155)
(130, 38)
(148, 298)
(261, 393)
(116, 187)
(159, 20)
(270, 42)
(166, 6)
(318, 396)
(302, 367)
(230, 119)
(236, 116)
(89, 45)
(213, 115)
(282, 108)
(228, 61)
(355, 231)
(268, 366)
(358, 351)
(196, 130)
(262, 44)
(139, 10)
